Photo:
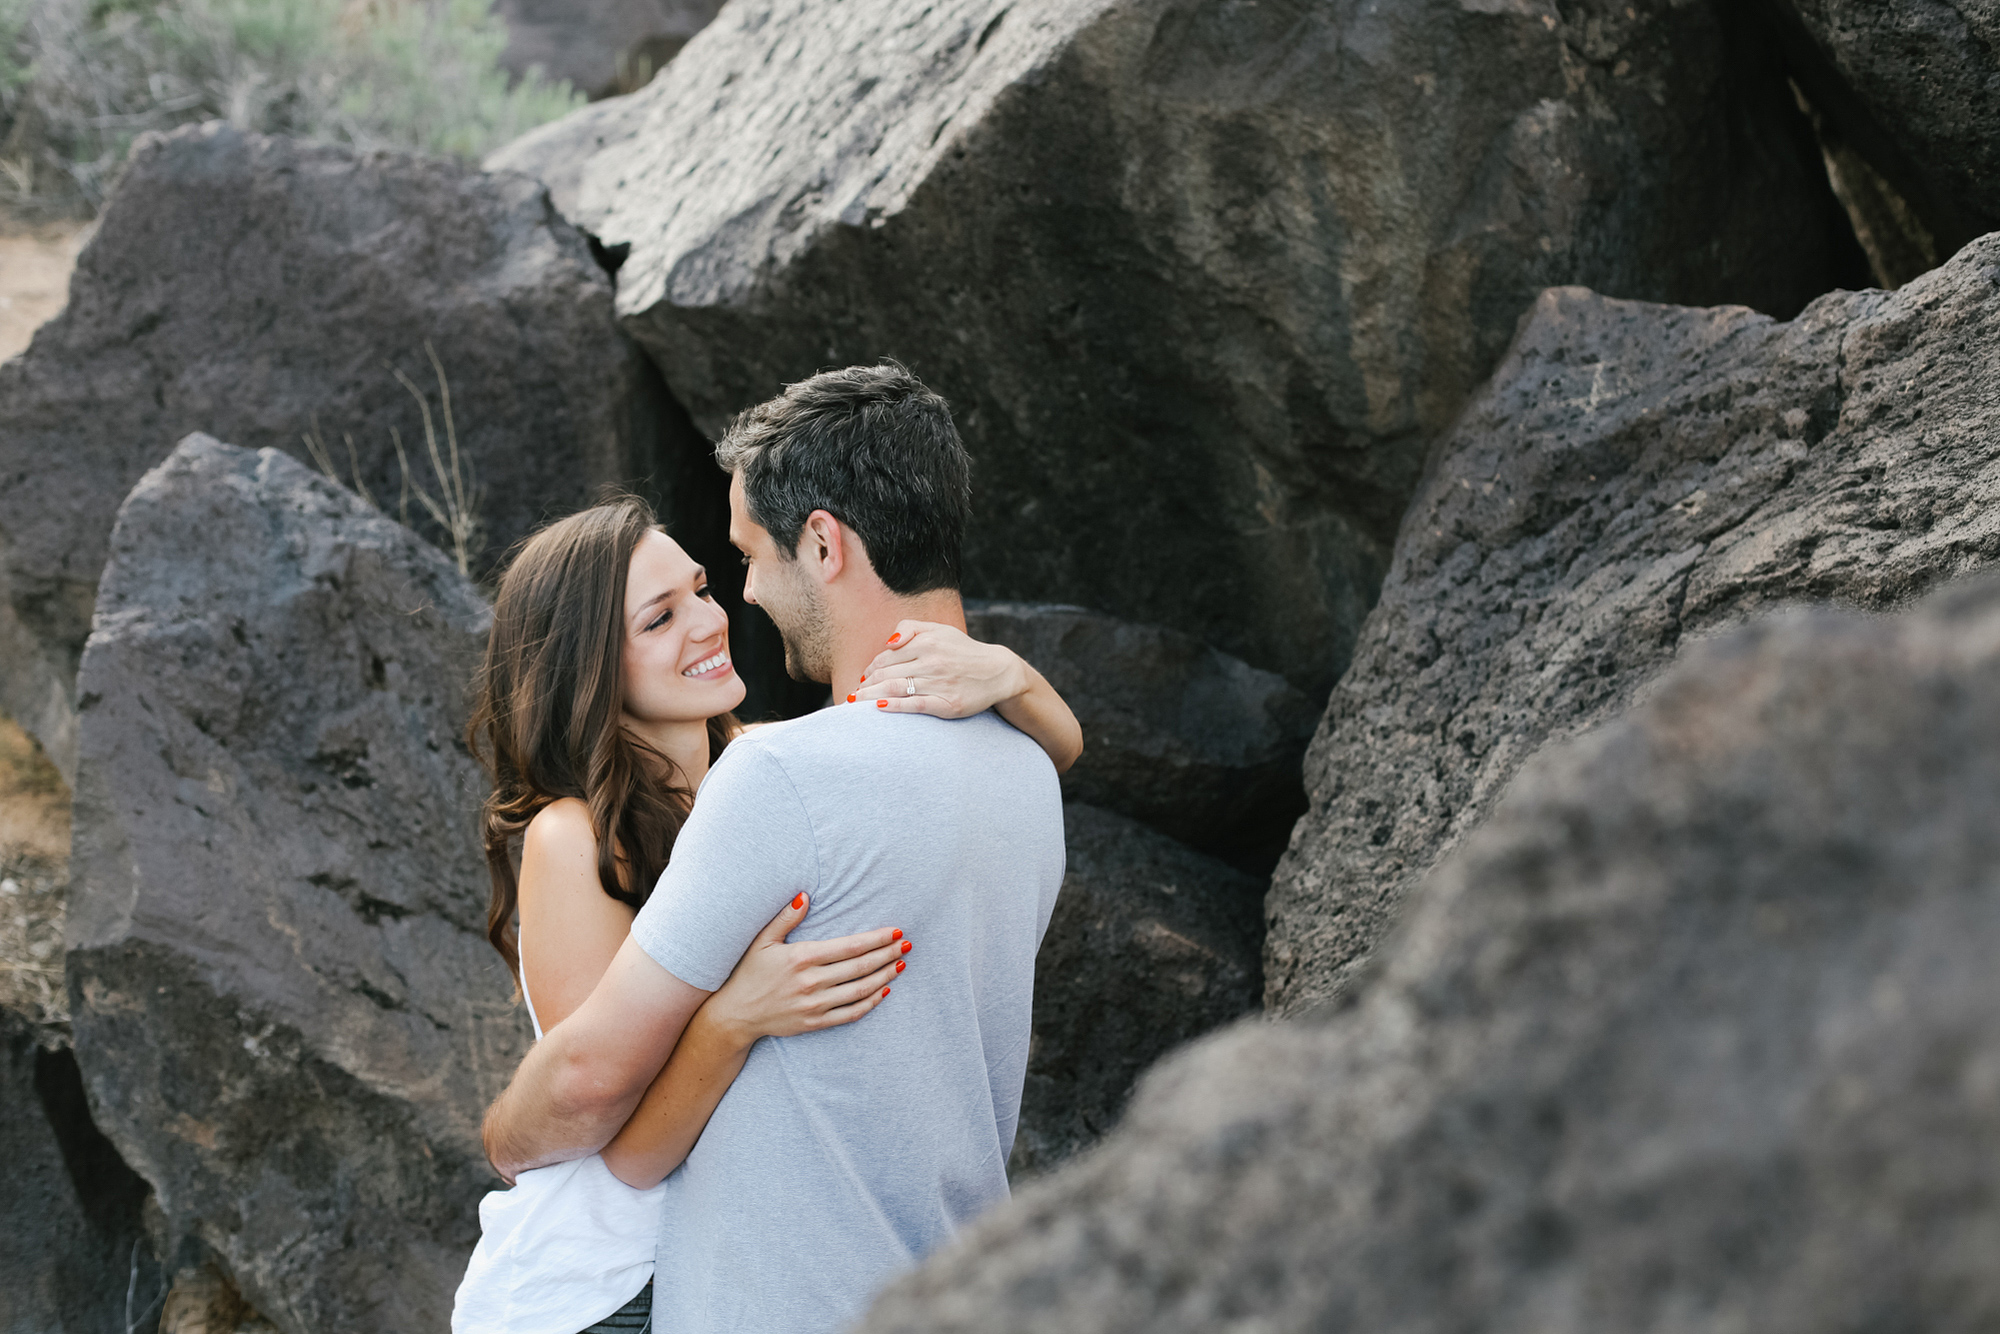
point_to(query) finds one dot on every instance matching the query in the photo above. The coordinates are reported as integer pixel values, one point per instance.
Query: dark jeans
(633, 1317)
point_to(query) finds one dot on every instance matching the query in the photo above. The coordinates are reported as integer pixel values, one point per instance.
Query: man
(841, 1156)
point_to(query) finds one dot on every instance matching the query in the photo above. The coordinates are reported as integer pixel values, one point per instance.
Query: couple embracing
(782, 1028)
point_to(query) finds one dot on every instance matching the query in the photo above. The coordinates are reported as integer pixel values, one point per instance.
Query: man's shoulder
(842, 733)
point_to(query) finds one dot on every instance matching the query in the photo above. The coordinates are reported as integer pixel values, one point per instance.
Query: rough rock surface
(1633, 476)
(1197, 744)
(599, 46)
(1254, 255)
(1151, 945)
(1699, 1032)
(72, 1241)
(1914, 86)
(286, 1012)
(254, 288)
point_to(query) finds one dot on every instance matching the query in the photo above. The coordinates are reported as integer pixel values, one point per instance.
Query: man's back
(842, 1156)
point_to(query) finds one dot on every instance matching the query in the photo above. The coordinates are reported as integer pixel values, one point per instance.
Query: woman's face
(677, 666)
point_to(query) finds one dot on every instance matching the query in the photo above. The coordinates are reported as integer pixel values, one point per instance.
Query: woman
(606, 693)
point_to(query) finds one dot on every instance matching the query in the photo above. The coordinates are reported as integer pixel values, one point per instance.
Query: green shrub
(80, 79)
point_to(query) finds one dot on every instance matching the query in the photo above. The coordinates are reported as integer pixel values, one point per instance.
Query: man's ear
(822, 545)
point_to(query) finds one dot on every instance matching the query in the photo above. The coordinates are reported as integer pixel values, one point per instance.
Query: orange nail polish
(885, 991)
(864, 680)
(897, 934)
(906, 947)
(893, 638)
(850, 699)
(900, 965)
(798, 901)
(881, 703)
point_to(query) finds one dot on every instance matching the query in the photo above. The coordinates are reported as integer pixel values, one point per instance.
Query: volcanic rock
(1699, 1031)
(1914, 87)
(261, 289)
(1197, 744)
(599, 46)
(285, 1009)
(1200, 279)
(73, 1246)
(1151, 945)
(1632, 477)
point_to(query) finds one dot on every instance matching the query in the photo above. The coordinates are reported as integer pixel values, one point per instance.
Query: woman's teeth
(707, 665)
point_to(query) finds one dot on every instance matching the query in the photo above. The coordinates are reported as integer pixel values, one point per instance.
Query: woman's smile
(712, 668)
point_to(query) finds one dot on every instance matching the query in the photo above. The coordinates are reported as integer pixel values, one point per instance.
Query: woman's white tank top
(563, 1249)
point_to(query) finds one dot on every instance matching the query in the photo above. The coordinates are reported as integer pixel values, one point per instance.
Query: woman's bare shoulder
(560, 831)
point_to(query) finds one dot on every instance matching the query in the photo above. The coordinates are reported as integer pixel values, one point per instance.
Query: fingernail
(893, 638)
(900, 965)
(897, 934)
(906, 947)
(798, 901)
(850, 699)
(881, 703)
(864, 680)
(885, 991)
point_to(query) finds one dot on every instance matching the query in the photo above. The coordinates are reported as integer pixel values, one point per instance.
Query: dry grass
(34, 879)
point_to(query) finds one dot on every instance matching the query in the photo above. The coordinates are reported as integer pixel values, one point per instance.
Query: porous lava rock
(1699, 1031)
(1199, 278)
(1914, 87)
(285, 1010)
(1197, 744)
(74, 1254)
(599, 46)
(1151, 945)
(260, 289)
(1633, 476)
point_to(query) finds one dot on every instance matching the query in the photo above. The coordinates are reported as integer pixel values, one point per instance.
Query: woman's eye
(663, 618)
(702, 592)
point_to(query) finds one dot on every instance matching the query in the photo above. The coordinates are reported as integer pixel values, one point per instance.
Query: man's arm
(582, 1080)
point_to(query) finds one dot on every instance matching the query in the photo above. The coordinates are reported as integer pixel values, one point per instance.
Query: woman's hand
(942, 671)
(955, 675)
(779, 989)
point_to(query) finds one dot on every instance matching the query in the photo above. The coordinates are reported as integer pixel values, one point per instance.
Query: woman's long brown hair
(546, 708)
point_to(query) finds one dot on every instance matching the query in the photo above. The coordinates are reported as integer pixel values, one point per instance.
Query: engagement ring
(910, 686)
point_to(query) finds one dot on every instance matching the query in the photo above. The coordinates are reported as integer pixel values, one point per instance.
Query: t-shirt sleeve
(746, 849)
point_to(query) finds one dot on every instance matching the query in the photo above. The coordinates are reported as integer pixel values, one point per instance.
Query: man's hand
(578, 1084)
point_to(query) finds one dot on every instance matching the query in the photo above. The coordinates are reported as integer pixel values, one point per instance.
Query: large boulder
(74, 1254)
(1193, 742)
(1699, 1032)
(286, 1012)
(261, 289)
(1634, 476)
(599, 46)
(1151, 945)
(1199, 278)
(1913, 86)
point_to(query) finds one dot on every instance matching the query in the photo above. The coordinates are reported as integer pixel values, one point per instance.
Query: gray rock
(1200, 745)
(1699, 1032)
(1151, 945)
(1914, 87)
(286, 1012)
(254, 288)
(599, 46)
(1633, 476)
(72, 1236)
(1199, 278)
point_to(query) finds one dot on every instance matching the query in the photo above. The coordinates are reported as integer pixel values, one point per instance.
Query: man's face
(786, 592)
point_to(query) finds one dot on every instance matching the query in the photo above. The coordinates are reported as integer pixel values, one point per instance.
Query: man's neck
(862, 629)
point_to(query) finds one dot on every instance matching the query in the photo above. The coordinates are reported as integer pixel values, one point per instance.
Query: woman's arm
(570, 932)
(776, 990)
(957, 676)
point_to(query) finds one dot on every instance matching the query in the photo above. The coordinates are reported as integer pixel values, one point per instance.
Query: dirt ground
(34, 279)
(34, 878)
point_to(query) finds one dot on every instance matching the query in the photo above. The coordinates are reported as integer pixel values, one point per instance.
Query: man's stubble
(799, 611)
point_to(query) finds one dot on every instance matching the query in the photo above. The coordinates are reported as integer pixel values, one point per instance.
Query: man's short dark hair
(874, 448)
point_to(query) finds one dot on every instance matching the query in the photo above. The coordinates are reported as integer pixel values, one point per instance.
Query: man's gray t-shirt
(839, 1158)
